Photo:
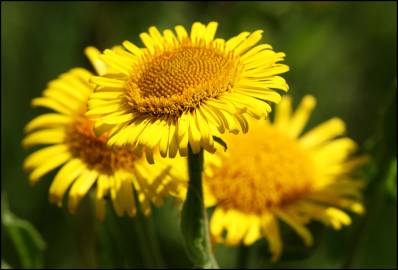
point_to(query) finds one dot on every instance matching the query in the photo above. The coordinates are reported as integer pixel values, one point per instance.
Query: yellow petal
(115, 189)
(300, 117)
(47, 120)
(79, 92)
(206, 137)
(150, 137)
(173, 141)
(129, 133)
(236, 228)
(263, 62)
(109, 82)
(49, 165)
(235, 41)
(271, 231)
(93, 54)
(148, 42)
(183, 125)
(164, 139)
(197, 31)
(132, 48)
(169, 36)
(282, 114)
(156, 37)
(127, 196)
(43, 155)
(264, 71)
(338, 217)
(194, 135)
(80, 188)
(254, 107)
(65, 100)
(210, 114)
(217, 223)
(181, 32)
(113, 119)
(51, 104)
(334, 152)
(300, 229)
(265, 95)
(107, 109)
(103, 185)
(210, 31)
(254, 51)
(44, 136)
(249, 42)
(253, 232)
(64, 178)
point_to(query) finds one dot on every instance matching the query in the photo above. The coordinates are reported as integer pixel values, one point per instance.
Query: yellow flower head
(182, 89)
(86, 159)
(272, 173)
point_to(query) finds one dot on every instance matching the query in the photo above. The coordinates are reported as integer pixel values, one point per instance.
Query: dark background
(343, 53)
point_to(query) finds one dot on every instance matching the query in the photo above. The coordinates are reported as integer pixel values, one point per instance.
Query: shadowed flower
(182, 89)
(272, 173)
(86, 159)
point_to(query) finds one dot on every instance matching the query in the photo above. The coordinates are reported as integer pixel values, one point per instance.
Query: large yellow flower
(86, 159)
(272, 173)
(182, 89)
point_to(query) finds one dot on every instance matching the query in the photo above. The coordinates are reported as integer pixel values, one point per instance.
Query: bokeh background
(343, 53)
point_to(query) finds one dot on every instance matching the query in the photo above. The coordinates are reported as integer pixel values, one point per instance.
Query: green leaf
(194, 225)
(28, 242)
(5, 265)
(391, 181)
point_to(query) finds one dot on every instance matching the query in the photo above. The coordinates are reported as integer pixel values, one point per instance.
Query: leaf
(194, 225)
(391, 181)
(5, 265)
(28, 242)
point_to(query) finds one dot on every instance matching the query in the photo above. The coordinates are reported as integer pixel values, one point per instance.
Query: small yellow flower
(272, 173)
(182, 89)
(86, 159)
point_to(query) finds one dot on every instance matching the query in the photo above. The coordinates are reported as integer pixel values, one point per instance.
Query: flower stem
(194, 224)
(152, 240)
(243, 254)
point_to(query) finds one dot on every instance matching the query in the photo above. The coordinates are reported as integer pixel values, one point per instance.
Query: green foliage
(391, 182)
(26, 239)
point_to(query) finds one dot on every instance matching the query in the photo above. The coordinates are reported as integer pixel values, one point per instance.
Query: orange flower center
(179, 79)
(261, 170)
(93, 150)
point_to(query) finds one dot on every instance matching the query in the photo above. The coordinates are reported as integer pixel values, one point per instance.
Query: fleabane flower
(182, 89)
(86, 160)
(274, 174)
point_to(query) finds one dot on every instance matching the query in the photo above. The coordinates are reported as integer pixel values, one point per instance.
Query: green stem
(194, 224)
(145, 249)
(150, 240)
(243, 254)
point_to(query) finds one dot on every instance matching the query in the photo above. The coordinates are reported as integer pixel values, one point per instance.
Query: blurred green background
(343, 53)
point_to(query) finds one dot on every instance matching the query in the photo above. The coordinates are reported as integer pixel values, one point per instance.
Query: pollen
(262, 173)
(93, 151)
(180, 79)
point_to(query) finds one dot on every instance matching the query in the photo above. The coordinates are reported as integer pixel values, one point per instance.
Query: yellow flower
(272, 173)
(182, 89)
(86, 159)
